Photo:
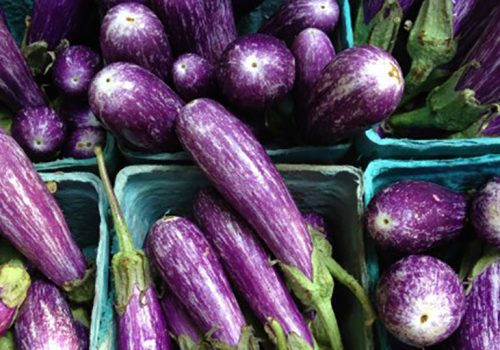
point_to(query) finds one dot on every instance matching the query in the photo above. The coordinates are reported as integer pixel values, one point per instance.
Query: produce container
(147, 192)
(85, 207)
(462, 174)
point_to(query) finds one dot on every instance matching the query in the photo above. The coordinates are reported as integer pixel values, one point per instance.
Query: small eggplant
(485, 213)
(193, 77)
(82, 141)
(77, 114)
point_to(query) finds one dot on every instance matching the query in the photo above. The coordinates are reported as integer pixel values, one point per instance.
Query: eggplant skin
(414, 216)
(193, 76)
(7, 316)
(77, 114)
(83, 334)
(178, 320)
(45, 321)
(485, 212)
(318, 222)
(420, 300)
(248, 181)
(136, 106)
(480, 327)
(33, 221)
(191, 270)
(83, 141)
(360, 87)
(142, 325)
(247, 264)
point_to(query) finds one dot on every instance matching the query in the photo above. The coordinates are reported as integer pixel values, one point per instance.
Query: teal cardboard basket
(148, 192)
(83, 202)
(462, 174)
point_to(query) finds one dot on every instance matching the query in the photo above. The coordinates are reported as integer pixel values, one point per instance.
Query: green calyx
(81, 291)
(247, 341)
(7, 341)
(292, 341)
(81, 315)
(186, 343)
(14, 283)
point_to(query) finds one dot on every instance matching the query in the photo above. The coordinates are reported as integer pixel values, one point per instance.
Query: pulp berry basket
(85, 208)
(148, 192)
(460, 174)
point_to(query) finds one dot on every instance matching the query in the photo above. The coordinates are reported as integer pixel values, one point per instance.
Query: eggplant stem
(328, 319)
(279, 335)
(124, 236)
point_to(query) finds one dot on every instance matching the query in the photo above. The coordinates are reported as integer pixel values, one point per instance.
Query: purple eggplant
(18, 88)
(420, 300)
(140, 318)
(247, 264)
(136, 106)
(295, 16)
(107, 4)
(485, 212)
(77, 114)
(82, 141)
(33, 222)
(193, 77)
(189, 267)
(131, 32)
(413, 216)
(40, 131)
(462, 9)
(256, 71)
(82, 325)
(74, 69)
(366, 77)
(223, 33)
(318, 222)
(45, 320)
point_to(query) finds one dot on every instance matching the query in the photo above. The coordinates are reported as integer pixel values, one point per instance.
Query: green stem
(327, 318)
(418, 118)
(279, 335)
(436, 77)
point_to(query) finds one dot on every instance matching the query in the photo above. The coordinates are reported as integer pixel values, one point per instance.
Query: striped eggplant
(365, 77)
(45, 320)
(295, 16)
(14, 284)
(485, 212)
(223, 30)
(18, 88)
(7, 341)
(33, 222)
(193, 76)
(40, 131)
(77, 114)
(247, 264)
(107, 4)
(140, 318)
(462, 9)
(82, 325)
(136, 106)
(256, 71)
(189, 267)
(82, 141)
(420, 300)
(131, 32)
(74, 69)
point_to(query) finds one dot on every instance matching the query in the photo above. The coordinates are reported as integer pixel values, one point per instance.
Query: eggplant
(40, 131)
(45, 320)
(136, 106)
(223, 33)
(7, 341)
(82, 141)
(366, 77)
(256, 71)
(295, 16)
(82, 325)
(14, 284)
(462, 9)
(77, 114)
(318, 222)
(107, 4)
(140, 319)
(414, 216)
(420, 300)
(193, 77)
(247, 264)
(74, 69)
(33, 222)
(18, 88)
(131, 32)
(189, 267)
(485, 212)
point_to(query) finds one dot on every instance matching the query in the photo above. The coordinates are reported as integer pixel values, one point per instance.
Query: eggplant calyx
(292, 341)
(81, 315)
(81, 291)
(7, 341)
(478, 128)
(247, 341)
(14, 283)
(185, 342)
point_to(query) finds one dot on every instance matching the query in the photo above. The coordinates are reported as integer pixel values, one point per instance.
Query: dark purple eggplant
(82, 141)
(82, 325)
(77, 114)
(40, 131)
(485, 212)
(462, 9)
(74, 69)
(136, 106)
(193, 77)
(131, 32)
(256, 71)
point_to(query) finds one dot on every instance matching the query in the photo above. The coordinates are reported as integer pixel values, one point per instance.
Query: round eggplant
(82, 142)
(193, 77)
(485, 212)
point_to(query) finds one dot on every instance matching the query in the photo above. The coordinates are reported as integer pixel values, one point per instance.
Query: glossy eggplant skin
(193, 77)
(178, 320)
(485, 212)
(7, 317)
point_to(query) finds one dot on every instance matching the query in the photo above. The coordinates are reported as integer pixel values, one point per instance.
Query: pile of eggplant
(421, 299)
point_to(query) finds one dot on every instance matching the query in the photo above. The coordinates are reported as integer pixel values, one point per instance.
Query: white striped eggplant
(136, 106)
(141, 323)
(223, 30)
(247, 264)
(191, 270)
(45, 320)
(131, 32)
(18, 88)
(33, 222)
(77, 114)
(485, 211)
(193, 77)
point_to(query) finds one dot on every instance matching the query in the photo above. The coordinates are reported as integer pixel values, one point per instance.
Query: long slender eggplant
(18, 88)
(193, 76)
(140, 319)
(247, 264)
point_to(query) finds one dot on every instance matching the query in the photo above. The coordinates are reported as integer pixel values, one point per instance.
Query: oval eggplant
(131, 32)
(74, 69)
(40, 131)
(247, 264)
(295, 16)
(193, 77)
(485, 212)
(136, 106)
(45, 321)
(83, 141)
(192, 272)
(414, 216)
(420, 300)
(365, 77)
(77, 114)
(256, 71)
